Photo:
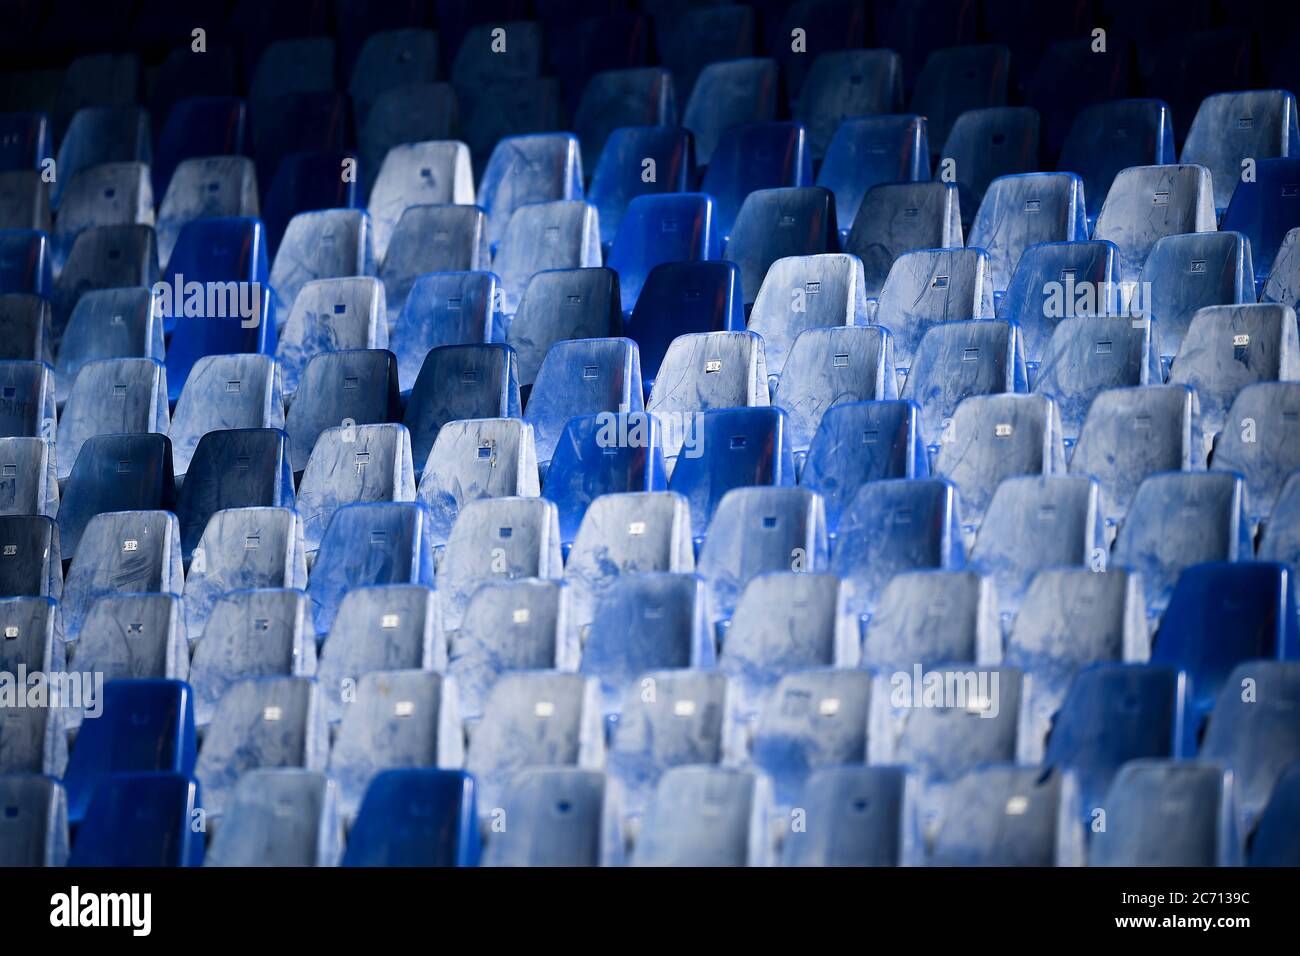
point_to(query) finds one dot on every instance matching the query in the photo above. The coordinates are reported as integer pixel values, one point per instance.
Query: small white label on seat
(272, 713)
(636, 527)
(828, 706)
(544, 708)
(404, 708)
(11, 631)
(389, 621)
(10, 550)
(1002, 429)
(1016, 806)
(520, 615)
(684, 708)
(713, 365)
(1240, 340)
(130, 544)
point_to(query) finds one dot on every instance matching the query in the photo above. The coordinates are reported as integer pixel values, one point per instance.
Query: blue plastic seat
(281, 817)
(102, 257)
(390, 627)
(479, 61)
(198, 126)
(510, 626)
(25, 321)
(354, 387)
(1274, 842)
(869, 151)
(27, 391)
(299, 129)
(1265, 464)
(806, 292)
(414, 113)
(1088, 355)
(242, 548)
(930, 287)
(828, 25)
(1107, 138)
(260, 722)
(582, 377)
(657, 229)
(956, 79)
(522, 538)
(993, 437)
(896, 218)
(330, 315)
(692, 38)
(559, 305)
(729, 94)
(34, 825)
(416, 817)
(1264, 209)
(847, 86)
(458, 382)
(301, 64)
(533, 105)
(1147, 203)
(986, 144)
(1070, 76)
(391, 59)
(319, 244)
(701, 816)
(1036, 522)
(774, 223)
(33, 637)
(616, 99)
(128, 472)
(528, 169)
(557, 815)
(1231, 127)
(131, 637)
(541, 236)
(1230, 347)
(25, 262)
(1022, 211)
(29, 484)
(398, 719)
(108, 194)
(1185, 273)
(33, 740)
(623, 534)
(225, 392)
(108, 324)
(34, 567)
(101, 134)
(956, 360)
(141, 819)
(26, 138)
(679, 298)
(534, 719)
(444, 309)
(1166, 813)
(728, 448)
(204, 187)
(112, 396)
(861, 810)
(931, 618)
(588, 41)
(1283, 283)
(146, 726)
(432, 239)
(378, 542)
(998, 816)
(24, 201)
(417, 174)
(755, 156)
(623, 174)
(322, 178)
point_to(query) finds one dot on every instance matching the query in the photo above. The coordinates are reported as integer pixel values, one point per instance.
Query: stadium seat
(300, 65)
(106, 324)
(26, 138)
(852, 85)
(24, 201)
(391, 59)
(109, 194)
(1107, 138)
(1264, 209)
(432, 238)
(396, 551)
(628, 533)
(1126, 217)
(656, 229)
(774, 223)
(559, 305)
(806, 292)
(97, 135)
(544, 167)
(1035, 522)
(550, 235)
(932, 618)
(141, 819)
(112, 396)
(1230, 128)
(728, 94)
(998, 816)
(1274, 843)
(201, 188)
(524, 544)
(442, 309)
(416, 817)
(27, 389)
(985, 144)
(1228, 348)
(330, 315)
(225, 392)
(260, 722)
(33, 564)
(280, 817)
(296, 131)
(616, 99)
(29, 483)
(34, 826)
(861, 815)
(102, 257)
(870, 151)
(955, 360)
(582, 377)
(411, 113)
(1073, 73)
(417, 174)
(554, 818)
(896, 218)
(1176, 520)
(1022, 211)
(1266, 464)
(533, 719)
(145, 726)
(480, 61)
(128, 472)
(319, 244)
(28, 332)
(398, 719)
(1166, 813)
(690, 39)
(930, 287)
(345, 388)
(33, 740)
(993, 437)
(638, 161)
(1088, 355)
(33, 635)
(755, 156)
(196, 127)
(25, 262)
(476, 458)
(892, 526)
(1186, 273)
(960, 78)
(702, 816)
